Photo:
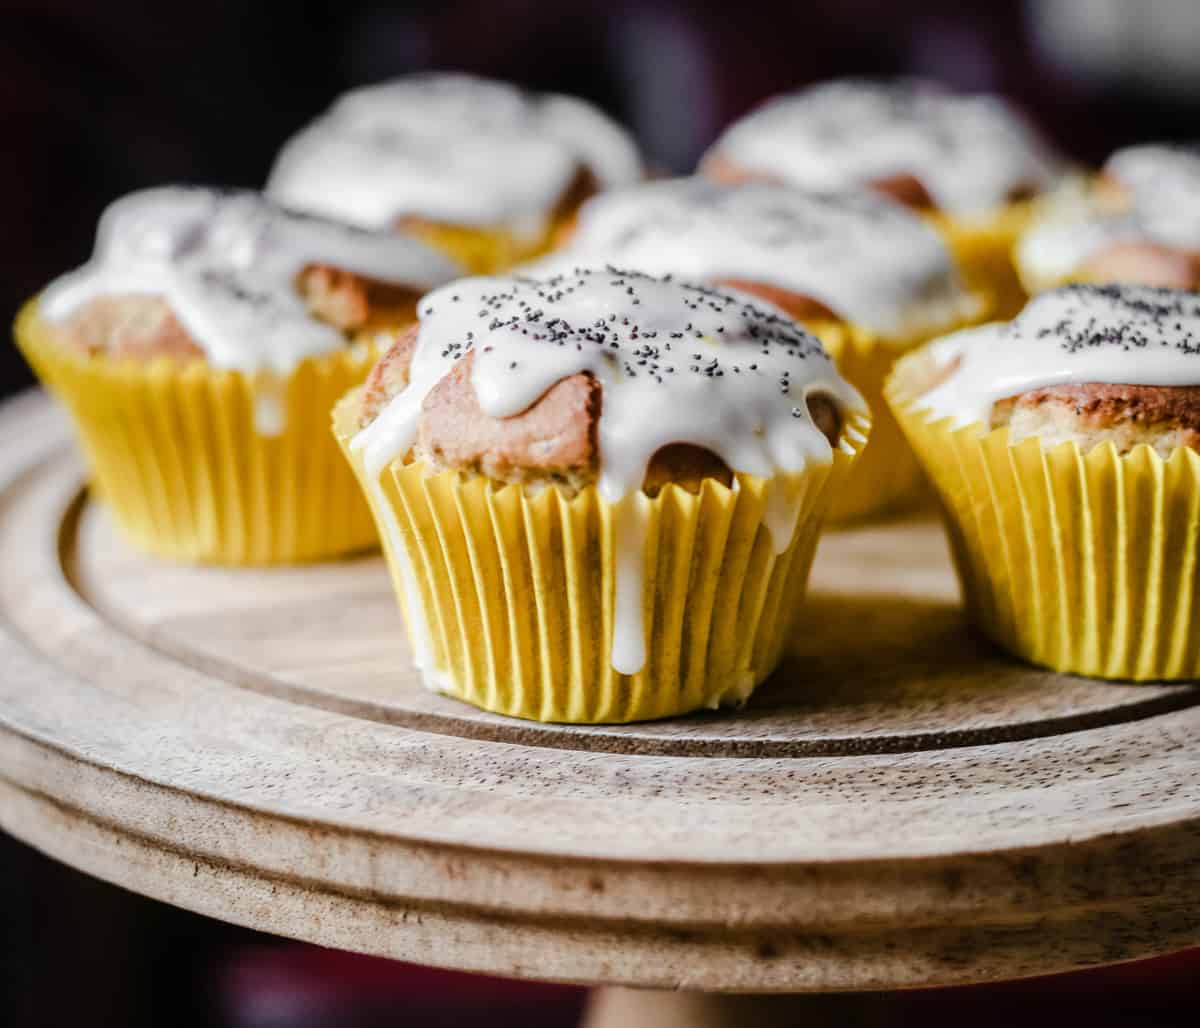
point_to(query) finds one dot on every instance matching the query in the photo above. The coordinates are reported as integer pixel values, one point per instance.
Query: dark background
(99, 99)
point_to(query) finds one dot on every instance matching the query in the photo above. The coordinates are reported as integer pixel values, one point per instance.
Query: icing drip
(970, 152)
(678, 363)
(869, 260)
(1162, 185)
(1128, 335)
(449, 148)
(226, 263)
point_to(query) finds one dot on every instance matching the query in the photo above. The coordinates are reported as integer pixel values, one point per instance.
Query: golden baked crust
(487, 250)
(798, 305)
(1144, 263)
(128, 328)
(555, 438)
(137, 327)
(1110, 194)
(552, 441)
(721, 169)
(389, 375)
(356, 303)
(902, 187)
(906, 189)
(1092, 413)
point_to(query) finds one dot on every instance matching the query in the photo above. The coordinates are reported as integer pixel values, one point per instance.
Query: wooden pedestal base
(901, 805)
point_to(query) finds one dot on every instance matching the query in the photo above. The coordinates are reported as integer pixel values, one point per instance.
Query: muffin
(199, 352)
(1064, 449)
(480, 169)
(600, 493)
(1137, 221)
(861, 272)
(969, 163)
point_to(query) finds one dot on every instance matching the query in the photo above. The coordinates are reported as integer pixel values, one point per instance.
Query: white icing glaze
(868, 259)
(1162, 184)
(1129, 335)
(677, 363)
(1150, 168)
(227, 262)
(449, 148)
(970, 152)
(1052, 251)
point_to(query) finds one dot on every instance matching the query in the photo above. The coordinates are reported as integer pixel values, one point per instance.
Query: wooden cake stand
(901, 805)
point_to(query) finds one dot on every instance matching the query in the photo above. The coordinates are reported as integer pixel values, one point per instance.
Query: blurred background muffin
(969, 162)
(1136, 220)
(481, 169)
(861, 271)
(199, 352)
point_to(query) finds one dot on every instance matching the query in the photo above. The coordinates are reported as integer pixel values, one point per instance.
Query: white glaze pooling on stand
(969, 152)
(450, 148)
(1129, 335)
(227, 263)
(868, 259)
(1160, 204)
(677, 363)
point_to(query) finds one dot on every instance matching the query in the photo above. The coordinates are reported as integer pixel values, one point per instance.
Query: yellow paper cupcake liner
(487, 250)
(984, 251)
(509, 595)
(886, 476)
(174, 451)
(1080, 562)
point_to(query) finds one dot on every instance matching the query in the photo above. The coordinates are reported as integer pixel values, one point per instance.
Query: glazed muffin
(481, 169)
(969, 163)
(600, 493)
(1137, 221)
(199, 352)
(864, 274)
(1064, 448)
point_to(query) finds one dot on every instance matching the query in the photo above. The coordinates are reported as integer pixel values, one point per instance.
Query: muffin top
(587, 377)
(1137, 336)
(1138, 221)
(964, 155)
(856, 256)
(230, 277)
(1148, 168)
(450, 148)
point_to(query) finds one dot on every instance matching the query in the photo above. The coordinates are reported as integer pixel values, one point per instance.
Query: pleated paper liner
(488, 249)
(1080, 562)
(509, 594)
(174, 451)
(983, 249)
(887, 478)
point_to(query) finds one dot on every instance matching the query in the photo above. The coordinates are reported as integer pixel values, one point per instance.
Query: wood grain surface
(901, 805)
